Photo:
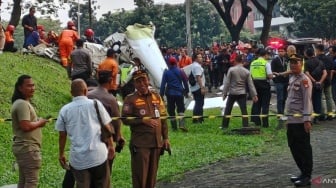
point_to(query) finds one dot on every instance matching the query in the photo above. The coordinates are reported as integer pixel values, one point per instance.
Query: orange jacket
(112, 65)
(184, 61)
(9, 37)
(68, 36)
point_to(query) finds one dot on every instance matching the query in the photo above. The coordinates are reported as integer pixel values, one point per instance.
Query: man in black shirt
(29, 23)
(279, 66)
(317, 73)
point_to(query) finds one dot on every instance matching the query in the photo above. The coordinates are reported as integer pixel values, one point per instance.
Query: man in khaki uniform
(148, 136)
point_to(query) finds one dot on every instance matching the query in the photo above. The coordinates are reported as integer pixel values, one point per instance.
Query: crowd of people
(300, 80)
(246, 71)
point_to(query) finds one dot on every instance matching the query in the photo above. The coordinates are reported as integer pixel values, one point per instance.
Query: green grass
(203, 144)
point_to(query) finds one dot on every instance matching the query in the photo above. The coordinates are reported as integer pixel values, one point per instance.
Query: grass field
(203, 144)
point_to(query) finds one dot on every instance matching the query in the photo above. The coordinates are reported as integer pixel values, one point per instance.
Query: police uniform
(146, 141)
(299, 102)
(263, 88)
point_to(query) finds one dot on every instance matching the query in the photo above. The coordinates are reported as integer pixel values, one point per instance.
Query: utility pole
(90, 14)
(187, 2)
(78, 18)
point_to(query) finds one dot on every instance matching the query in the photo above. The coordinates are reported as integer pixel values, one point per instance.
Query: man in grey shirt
(80, 62)
(234, 87)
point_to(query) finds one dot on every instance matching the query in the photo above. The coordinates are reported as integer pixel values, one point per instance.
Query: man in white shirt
(88, 154)
(198, 90)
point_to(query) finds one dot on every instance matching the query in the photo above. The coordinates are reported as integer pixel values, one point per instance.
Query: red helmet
(89, 33)
(70, 24)
(40, 27)
(10, 28)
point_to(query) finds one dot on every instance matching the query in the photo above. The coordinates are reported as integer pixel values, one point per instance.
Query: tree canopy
(312, 18)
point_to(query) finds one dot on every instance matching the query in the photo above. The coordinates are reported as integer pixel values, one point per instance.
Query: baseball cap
(172, 60)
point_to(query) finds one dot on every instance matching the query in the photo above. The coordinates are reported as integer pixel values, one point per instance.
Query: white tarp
(215, 102)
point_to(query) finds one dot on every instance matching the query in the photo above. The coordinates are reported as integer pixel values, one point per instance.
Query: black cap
(104, 76)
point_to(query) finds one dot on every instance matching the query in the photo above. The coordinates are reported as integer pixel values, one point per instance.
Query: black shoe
(315, 121)
(322, 118)
(196, 121)
(184, 129)
(329, 118)
(293, 179)
(302, 182)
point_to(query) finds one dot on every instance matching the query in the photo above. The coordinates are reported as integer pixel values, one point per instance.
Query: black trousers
(299, 144)
(84, 75)
(241, 99)
(69, 179)
(261, 107)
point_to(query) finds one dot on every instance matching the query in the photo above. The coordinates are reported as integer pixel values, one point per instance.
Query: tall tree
(16, 13)
(312, 18)
(225, 13)
(267, 14)
(46, 8)
(169, 20)
(144, 3)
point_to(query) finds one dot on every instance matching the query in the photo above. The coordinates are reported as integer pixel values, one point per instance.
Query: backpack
(191, 79)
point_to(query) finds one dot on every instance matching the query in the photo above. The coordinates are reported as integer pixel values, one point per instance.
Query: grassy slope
(203, 144)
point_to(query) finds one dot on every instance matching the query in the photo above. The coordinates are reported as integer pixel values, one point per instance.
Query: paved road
(272, 169)
(268, 170)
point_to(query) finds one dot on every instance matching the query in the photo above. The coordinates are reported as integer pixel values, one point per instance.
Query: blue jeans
(199, 102)
(281, 89)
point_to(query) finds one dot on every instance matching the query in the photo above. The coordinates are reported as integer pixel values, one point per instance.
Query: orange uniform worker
(67, 39)
(110, 64)
(185, 59)
(9, 42)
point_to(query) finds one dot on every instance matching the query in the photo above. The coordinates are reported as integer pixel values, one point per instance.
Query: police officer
(299, 127)
(148, 136)
(261, 72)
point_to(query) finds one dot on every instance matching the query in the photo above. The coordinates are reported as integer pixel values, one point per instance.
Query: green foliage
(203, 144)
(144, 3)
(312, 18)
(170, 23)
(85, 15)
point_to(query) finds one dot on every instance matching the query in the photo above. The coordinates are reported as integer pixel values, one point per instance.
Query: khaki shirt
(299, 99)
(142, 135)
(25, 141)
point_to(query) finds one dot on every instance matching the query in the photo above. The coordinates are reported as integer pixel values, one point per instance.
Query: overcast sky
(113, 5)
(105, 6)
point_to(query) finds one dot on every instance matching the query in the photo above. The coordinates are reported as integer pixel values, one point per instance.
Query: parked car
(301, 44)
